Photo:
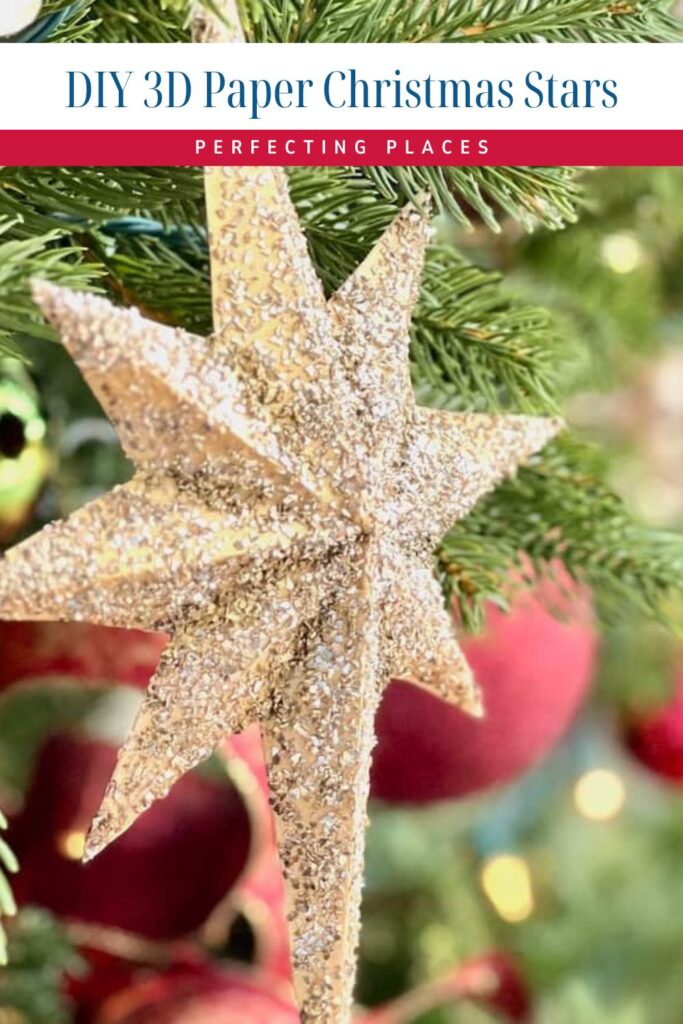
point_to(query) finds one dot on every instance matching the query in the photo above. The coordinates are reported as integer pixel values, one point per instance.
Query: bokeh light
(71, 844)
(506, 880)
(622, 252)
(600, 795)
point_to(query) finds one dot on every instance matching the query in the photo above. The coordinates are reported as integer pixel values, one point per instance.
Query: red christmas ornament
(40, 652)
(160, 881)
(495, 981)
(102, 975)
(204, 996)
(491, 980)
(107, 974)
(656, 739)
(260, 893)
(534, 670)
(93, 654)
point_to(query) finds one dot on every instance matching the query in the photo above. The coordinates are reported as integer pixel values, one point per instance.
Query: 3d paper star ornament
(280, 526)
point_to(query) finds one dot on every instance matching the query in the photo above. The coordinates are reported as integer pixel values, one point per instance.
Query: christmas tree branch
(63, 21)
(559, 508)
(21, 259)
(166, 21)
(371, 21)
(165, 273)
(79, 198)
(32, 986)
(473, 344)
(391, 21)
(531, 195)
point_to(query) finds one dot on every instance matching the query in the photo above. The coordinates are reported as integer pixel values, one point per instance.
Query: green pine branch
(69, 199)
(551, 196)
(344, 213)
(40, 954)
(138, 21)
(360, 21)
(471, 342)
(64, 21)
(474, 346)
(560, 509)
(46, 256)
(390, 21)
(164, 273)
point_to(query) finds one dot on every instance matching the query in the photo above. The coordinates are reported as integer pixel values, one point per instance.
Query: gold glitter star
(280, 526)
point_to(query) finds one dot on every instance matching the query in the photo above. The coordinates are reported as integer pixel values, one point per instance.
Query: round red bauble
(77, 650)
(656, 739)
(534, 668)
(206, 996)
(160, 880)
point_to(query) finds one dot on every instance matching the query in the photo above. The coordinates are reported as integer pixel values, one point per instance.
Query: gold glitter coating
(280, 526)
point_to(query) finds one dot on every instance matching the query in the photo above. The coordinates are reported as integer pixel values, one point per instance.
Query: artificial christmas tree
(281, 524)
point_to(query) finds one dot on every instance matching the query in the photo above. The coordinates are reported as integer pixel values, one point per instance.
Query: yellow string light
(506, 881)
(600, 795)
(622, 252)
(71, 844)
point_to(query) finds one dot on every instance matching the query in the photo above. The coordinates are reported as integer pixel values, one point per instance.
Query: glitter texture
(280, 525)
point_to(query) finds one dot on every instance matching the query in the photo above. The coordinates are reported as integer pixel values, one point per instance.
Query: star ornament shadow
(287, 497)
